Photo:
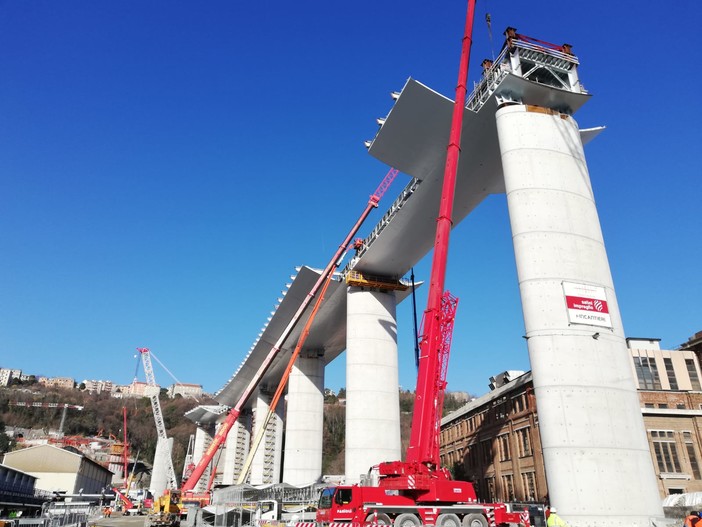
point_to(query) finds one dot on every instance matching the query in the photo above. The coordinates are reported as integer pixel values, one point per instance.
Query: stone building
(494, 440)
(186, 390)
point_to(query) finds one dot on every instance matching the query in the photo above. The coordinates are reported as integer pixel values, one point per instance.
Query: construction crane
(418, 490)
(333, 264)
(65, 407)
(163, 449)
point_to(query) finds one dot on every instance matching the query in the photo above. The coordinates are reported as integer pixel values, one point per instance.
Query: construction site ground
(118, 520)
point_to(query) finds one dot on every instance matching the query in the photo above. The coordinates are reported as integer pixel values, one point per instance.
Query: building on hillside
(60, 469)
(141, 389)
(118, 391)
(494, 441)
(186, 390)
(7, 374)
(92, 386)
(66, 383)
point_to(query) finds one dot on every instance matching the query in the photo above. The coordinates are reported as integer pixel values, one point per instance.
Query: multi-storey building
(7, 374)
(494, 440)
(92, 386)
(186, 390)
(66, 383)
(141, 389)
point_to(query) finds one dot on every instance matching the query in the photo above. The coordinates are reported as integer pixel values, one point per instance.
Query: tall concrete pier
(597, 459)
(372, 386)
(265, 466)
(304, 423)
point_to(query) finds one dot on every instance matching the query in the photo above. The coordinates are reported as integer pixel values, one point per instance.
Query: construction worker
(554, 520)
(693, 519)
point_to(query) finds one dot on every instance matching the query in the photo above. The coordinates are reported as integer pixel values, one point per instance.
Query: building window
(647, 373)
(649, 405)
(692, 455)
(663, 405)
(490, 486)
(523, 442)
(488, 455)
(508, 487)
(692, 372)
(519, 403)
(671, 374)
(529, 484)
(665, 451)
(472, 456)
(503, 442)
(680, 406)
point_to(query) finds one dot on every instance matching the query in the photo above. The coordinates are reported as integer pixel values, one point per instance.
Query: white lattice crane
(162, 457)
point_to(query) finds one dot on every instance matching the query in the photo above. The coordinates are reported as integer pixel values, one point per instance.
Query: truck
(275, 512)
(418, 491)
(357, 504)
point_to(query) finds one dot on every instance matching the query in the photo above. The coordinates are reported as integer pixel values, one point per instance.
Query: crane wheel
(407, 519)
(378, 519)
(448, 520)
(475, 520)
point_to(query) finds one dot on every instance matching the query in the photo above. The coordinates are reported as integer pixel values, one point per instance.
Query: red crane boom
(233, 415)
(437, 323)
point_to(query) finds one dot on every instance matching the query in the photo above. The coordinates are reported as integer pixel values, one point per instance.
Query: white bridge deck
(413, 139)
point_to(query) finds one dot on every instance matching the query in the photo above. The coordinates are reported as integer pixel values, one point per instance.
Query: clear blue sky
(164, 166)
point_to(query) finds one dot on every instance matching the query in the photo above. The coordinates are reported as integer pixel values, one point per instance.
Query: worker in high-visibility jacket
(554, 520)
(693, 519)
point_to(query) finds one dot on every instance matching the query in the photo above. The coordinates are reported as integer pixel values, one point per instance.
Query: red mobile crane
(418, 491)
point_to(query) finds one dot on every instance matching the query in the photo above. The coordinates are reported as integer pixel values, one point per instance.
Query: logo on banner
(587, 304)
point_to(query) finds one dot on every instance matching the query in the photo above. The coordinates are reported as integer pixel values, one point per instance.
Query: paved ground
(119, 521)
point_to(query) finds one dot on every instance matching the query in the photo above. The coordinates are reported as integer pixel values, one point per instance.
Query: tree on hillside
(5, 442)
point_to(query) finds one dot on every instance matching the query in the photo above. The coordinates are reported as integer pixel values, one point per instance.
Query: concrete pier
(203, 439)
(372, 387)
(305, 420)
(265, 467)
(592, 432)
(236, 449)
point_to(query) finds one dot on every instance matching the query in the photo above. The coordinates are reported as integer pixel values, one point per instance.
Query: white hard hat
(553, 509)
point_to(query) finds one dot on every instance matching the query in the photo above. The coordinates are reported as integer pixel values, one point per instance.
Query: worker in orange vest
(693, 519)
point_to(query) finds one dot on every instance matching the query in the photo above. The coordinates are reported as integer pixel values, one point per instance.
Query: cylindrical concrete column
(159, 471)
(596, 454)
(203, 439)
(236, 450)
(372, 390)
(265, 466)
(304, 421)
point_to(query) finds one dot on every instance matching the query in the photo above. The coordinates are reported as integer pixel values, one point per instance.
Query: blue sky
(164, 166)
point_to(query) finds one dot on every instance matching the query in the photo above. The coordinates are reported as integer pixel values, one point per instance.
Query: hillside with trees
(102, 416)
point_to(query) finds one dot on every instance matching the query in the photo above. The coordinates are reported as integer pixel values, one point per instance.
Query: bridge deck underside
(413, 139)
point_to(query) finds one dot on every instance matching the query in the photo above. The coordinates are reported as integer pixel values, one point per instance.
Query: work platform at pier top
(518, 138)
